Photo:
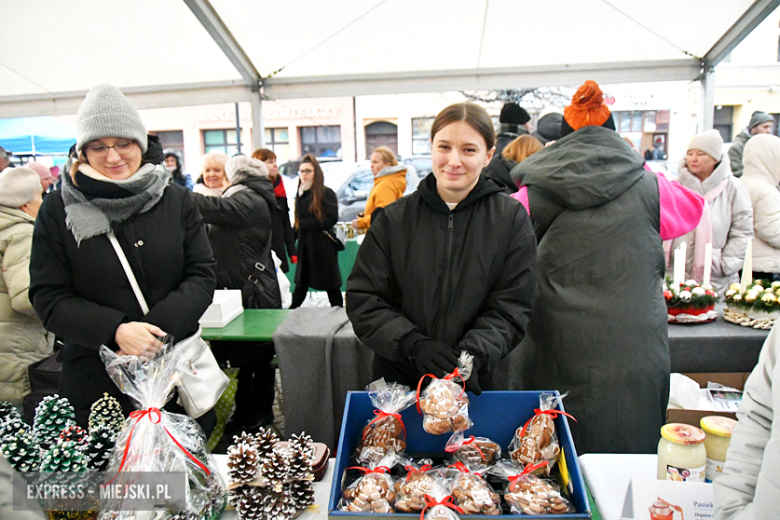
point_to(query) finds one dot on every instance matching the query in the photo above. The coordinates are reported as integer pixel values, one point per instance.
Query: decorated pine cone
(23, 452)
(265, 439)
(76, 434)
(236, 494)
(11, 426)
(249, 504)
(243, 462)
(303, 443)
(7, 409)
(101, 443)
(53, 414)
(278, 506)
(87, 509)
(106, 411)
(66, 459)
(274, 470)
(300, 463)
(301, 492)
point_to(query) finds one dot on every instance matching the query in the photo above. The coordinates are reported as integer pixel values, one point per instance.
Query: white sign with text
(667, 500)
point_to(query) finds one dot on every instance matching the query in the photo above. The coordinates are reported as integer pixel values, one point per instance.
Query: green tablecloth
(346, 261)
(251, 325)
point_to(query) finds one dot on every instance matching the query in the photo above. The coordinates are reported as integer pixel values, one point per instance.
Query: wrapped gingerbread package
(476, 452)
(438, 503)
(537, 441)
(528, 494)
(385, 433)
(471, 492)
(155, 442)
(411, 489)
(443, 403)
(374, 491)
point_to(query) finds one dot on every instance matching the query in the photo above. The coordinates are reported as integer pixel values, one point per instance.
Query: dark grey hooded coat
(599, 324)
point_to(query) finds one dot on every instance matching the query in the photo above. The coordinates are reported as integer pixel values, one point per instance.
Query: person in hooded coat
(599, 325)
(513, 122)
(549, 127)
(174, 167)
(760, 123)
(449, 268)
(389, 185)
(240, 229)
(761, 178)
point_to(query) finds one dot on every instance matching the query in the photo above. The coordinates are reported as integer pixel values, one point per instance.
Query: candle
(707, 265)
(683, 262)
(677, 275)
(747, 267)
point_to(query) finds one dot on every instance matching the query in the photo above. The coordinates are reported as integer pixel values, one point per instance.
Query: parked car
(354, 191)
(421, 163)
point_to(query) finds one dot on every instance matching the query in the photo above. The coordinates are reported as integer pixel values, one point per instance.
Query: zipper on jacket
(447, 271)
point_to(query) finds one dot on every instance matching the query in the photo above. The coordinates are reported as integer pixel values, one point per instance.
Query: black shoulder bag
(261, 290)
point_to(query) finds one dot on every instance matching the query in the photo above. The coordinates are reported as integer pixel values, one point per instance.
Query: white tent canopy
(185, 52)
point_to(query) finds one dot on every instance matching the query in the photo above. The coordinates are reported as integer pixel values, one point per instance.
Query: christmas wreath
(756, 307)
(690, 302)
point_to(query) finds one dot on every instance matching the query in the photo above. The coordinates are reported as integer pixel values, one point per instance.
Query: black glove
(434, 357)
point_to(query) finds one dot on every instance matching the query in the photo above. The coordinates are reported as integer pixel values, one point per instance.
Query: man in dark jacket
(760, 123)
(598, 329)
(514, 121)
(549, 127)
(240, 235)
(464, 278)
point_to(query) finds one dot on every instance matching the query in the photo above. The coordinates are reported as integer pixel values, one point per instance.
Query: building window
(321, 141)
(379, 134)
(278, 140)
(421, 135)
(172, 139)
(225, 141)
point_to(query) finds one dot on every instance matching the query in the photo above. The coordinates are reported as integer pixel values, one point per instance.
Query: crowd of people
(519, 239)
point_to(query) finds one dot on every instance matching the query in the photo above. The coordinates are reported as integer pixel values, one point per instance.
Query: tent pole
(258, 125)
(707, 102)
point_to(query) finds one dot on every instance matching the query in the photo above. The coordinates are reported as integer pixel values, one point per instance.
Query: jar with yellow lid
(681, 453)
(718, 438)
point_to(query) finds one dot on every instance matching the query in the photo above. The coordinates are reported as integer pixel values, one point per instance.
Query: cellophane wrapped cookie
(537, 441)
(386, 433)
(475, 452)
(472, 493)
(154, 440)
(531, 495)
(443, 403)
(439, 504)
(374, 492)
(419, 481)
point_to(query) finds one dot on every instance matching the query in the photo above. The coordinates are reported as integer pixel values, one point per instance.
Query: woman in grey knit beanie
(78, 284)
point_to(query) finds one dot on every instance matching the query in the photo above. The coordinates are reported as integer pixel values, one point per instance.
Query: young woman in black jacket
(316, 212)
(448, 268)
(77, 284)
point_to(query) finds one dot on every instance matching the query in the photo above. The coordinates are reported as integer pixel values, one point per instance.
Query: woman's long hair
(317, 188)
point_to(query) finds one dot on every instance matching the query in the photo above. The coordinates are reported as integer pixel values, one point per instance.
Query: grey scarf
(87, 218)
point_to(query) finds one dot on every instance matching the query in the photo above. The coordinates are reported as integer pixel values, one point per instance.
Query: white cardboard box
(224, 308)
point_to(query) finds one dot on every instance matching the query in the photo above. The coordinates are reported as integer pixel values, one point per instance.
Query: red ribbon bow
(411, 469)
(551, 413)
(155, 417)
(365, 470)
(528, 469)
(462, 468)
(446, 502)
(452, 448)
(455, 373)
(379, 415)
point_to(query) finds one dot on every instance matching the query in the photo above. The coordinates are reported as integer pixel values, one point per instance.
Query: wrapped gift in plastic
(374, 491)
(476, 452)
(528, 494)
(411, 489)
(537, 441)
(385, 433)
(438, 503)
(471, 492)
(443, 403)
(156, 441)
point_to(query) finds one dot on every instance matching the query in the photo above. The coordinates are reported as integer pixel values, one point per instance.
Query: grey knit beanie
(106, 112)
(241, 167)
(709, 142)
(18, 186)
(759, 118)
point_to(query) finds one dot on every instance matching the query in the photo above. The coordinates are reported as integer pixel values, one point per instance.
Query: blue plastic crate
(496, 415)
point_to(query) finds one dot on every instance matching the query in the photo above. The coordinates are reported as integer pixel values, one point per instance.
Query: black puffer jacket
(463, 277)
(499, 170)
(240, 231)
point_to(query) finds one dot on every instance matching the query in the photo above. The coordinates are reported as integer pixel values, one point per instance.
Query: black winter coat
(318, 261)
(240, 233)
(599, 325)
(463, 277)
(499, 170)
(283, 237)
(82, 294)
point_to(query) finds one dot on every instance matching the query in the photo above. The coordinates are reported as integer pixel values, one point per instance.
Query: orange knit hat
(587, 107)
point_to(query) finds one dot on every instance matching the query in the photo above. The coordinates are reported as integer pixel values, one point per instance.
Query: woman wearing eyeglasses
(77, 284)
(316, 212)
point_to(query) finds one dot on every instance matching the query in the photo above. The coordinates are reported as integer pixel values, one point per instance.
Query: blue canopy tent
(36, 136)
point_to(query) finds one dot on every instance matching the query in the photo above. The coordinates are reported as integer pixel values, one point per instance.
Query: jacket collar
(484, 187)
(690, 181)
(390, 170)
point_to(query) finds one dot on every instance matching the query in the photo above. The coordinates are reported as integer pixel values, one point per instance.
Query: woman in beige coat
(23, 337)
(761, 177)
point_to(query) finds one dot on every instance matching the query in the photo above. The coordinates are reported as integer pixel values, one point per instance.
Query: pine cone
(278, 506)
(53, 414)
(274, 470)
(302, 494)
(245, 438)
(243, 463)
(299, 465)
(7, 409)
(249, 505)
(76, 434)
(106, 411)
(265, 439)
(303, 443)
(66, 459)
(98, 450)
(23, 452)
(11, 426)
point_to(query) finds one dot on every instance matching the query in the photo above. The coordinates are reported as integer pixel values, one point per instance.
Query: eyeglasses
(306, 172)
(121, 147)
